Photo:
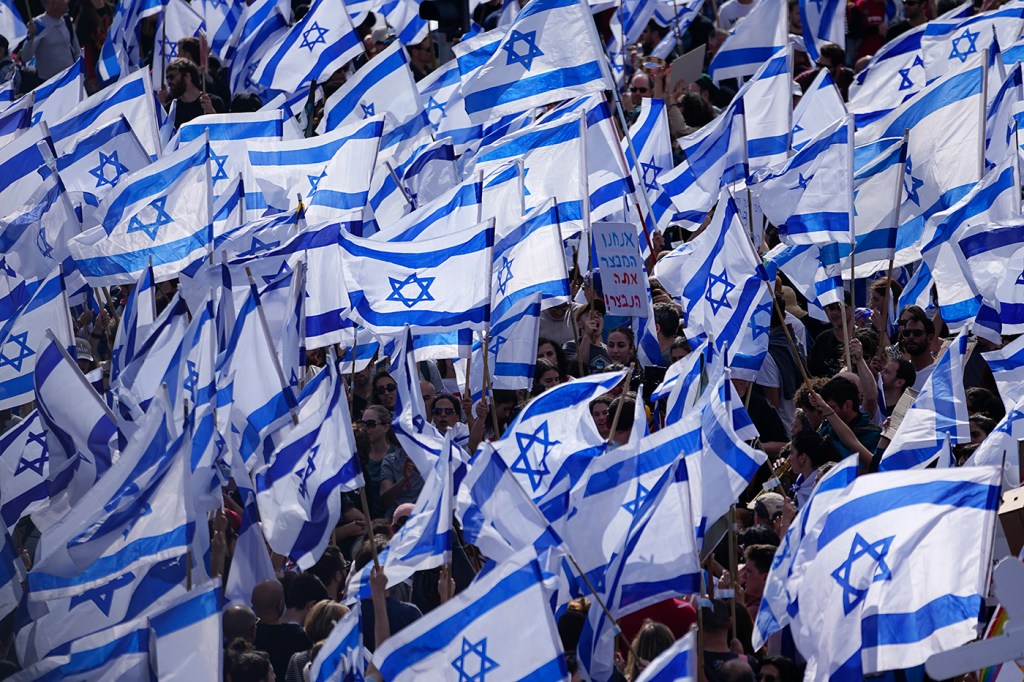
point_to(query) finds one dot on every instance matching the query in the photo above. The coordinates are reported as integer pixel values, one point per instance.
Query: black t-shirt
(280, 642)
(186, 111)
(400, 614)
(823, 360)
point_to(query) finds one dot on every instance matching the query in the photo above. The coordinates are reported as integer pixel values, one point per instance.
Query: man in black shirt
(182, 79)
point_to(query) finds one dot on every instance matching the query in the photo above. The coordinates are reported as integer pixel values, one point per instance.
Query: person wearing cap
(766, 507)
(84, 356)
(422, 60)
(825, 358)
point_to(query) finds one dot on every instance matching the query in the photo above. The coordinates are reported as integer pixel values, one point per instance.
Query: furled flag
(23, 165)
(299, 492)
(12, 26)
(723, 288)
(428, 283)
(122, 48)
(316, 46)
(342, 653)
(875, 216)
(384, 84)
(188, 634)
(529, 260)
(940, 408)
(178, 20)
(35, 239)
(878, 590)
(330, 174)
(534, 64)
(159, 215)
(478, 621)
(1004, 117)
(221, 18)
(23, 337)
(752, 41)
(810, 197)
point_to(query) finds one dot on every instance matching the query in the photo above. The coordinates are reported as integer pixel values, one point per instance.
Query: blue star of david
(398, 285)
(526, 173)
(526, 441)
(876, 551)
(972, 48)
(633, 506)
(761, 329)
(103, 595)
(782, 553)
(283, 270)
(802, 182)
(7, 269)
(100, 171)
(258, 246)
(169, 50)
(314, 181)
(498, 342)
(915, 184)
(532, 51)
(191, 378)
(1020, 278)
(473, 663)
(419, 423)
(305, 472)
(1007, 426)
(798, 129)
(43, 244)
(504, 274)
(434, 105)
(367, 109)
(151, 229)
(217, 3)
(35, 465)
(319, 39)
(221, 173)
(652, 184)
(722, 301)
(905, 81)
(21, 341)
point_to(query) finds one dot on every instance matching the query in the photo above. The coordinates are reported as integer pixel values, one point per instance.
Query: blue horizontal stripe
(887, 629)
(744, 56)
(132, 262)
(488, 98)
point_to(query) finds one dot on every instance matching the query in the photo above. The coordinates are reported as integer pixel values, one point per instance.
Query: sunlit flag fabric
(12, 26)
(23, 164)
(24, 469)
(820, 106)
(342, 652)
(59, 95)
(260, 26)
(299, 493)
(940, 408)
(122, 49)
(810, 198)
(529, 260)
(478, 622)
(653, 146)
(457, 209)
(534, 64)
(331, 172)
(23, 338)
(118, 652)
(35, 238)
(315, 47)
(823, 23)
(178, 20)
(752, 41)
(188, 634)
(427, 283)
(948, 45)
(1004, 117)
(159, 215)
(876, 186)
(893, 575)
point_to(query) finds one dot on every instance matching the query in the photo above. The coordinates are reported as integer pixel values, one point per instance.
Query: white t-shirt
(922, 376)
(731, 12)
(769, 377)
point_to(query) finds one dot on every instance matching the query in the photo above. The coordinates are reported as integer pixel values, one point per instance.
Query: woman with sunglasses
(446, 413)
(385, 390)
(377, 423)
(400, 480)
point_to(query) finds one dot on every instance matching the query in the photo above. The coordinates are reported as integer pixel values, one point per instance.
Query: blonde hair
(321, 619)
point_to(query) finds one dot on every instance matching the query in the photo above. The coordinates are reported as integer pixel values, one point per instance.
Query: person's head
(245, 102)
(736, 670)
(981, 426)
(757, 564)
(252, 666)
(5, 47)
(917, 332)
(714, 617)
(182, 76)
(759, 534)
(191, 49)
(835, 311)
(239, 621)
(831, 57)
(590, 318)
(914, 10)
(364, 554)
(666, 321)
(553, 353)
(385, 390)
(401, 515)
(503, 405)
(83, 355)
(898, 375)
(843, 396)
(808, 451)
(869, 339)
(304, 591)
(55, 8)
(545, 376)
(599, 411)
(679, 349)
(321, 619)
(766, 508)
(802, 399)
(422, 53)
(983, 401)
(778, 669)
(641, 86)
(877, 292)
(795, 24)
(621, 346)
(376, 420)
(428, 391)
(624, 405)
(268, 600)
(652, 639)
(446, 412)
(332, 569)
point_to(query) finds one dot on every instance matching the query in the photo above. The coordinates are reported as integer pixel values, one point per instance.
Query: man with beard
(182, 80)
(917, 333)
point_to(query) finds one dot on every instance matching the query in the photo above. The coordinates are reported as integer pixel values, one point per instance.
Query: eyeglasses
(388, 388)
(448, 411)
(765, 677)
(368, 423)
(915, 333)
(641, 91)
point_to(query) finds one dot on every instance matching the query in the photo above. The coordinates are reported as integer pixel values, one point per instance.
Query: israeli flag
(678, 663)
(188, 634)
(874, 220)
(23, 338)
(529, 260)
(15, 120)
(227, 132)
(130, 97)
(444, 106)
(251, 565)
(511, 598)
(384, 84)
(24, 470)
(820, 107)
(459, 208)
(262, 24)
(822, 23)
(12, 574)
(342, 655)
(862, 588)
(177, 20)
(137, 316)
(299, 493)
(119, 652)
(948, 45)
(423, 283)
(316, 46)
(23, 164)
(159, 215)
(122, 49)
(428, 173)
(653, 146)
(1007, 365)
(12, 26)
(995, 250)
(404, 16)
(35, 239)
(221, 19)
(801, 197)
(940, 408)
(752, 41)
(1006, 436)
(330, 173)
(52, 100)
(508, 83)
(513, 345)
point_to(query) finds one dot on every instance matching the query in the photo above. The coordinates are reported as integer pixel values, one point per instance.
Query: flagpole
(638, 187)
(310, 108)
(204, 59)
(489, 275)
(163, 48)
(585, 177)
(983, 112)
(78, 373)
(853, 226)
(352, 374)
(618, 412)
(369, 527)
(733, 559)
(401, 187)
(892, 259)
(276, 361)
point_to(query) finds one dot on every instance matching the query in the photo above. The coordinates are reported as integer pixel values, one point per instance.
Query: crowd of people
(827, 388)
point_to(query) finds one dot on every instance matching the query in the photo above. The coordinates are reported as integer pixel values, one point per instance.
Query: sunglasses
(448, 411)
(641, 91)
(765, 677)
(368, 423)
(914, 333)
(389, 388)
